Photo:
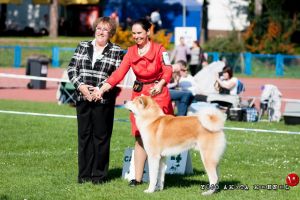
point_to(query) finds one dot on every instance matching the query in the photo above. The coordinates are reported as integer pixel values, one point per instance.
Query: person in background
(152, 68)
(186, 81)
(114, 15)
(196, 58)
(91, 64)
(226, 82)
(128, 24)
(182, 98)
(156, 20)
(181, 52)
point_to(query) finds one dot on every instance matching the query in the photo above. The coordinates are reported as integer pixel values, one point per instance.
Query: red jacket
(147, 68)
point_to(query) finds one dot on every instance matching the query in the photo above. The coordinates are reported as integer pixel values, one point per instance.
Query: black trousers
(95, 125)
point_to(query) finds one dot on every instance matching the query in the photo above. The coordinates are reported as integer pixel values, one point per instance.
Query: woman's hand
(176, 67)
(85, 90)
(157, 88)
(97, 93)
(176, 79)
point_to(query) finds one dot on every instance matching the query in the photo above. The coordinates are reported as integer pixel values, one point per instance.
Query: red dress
(147, 68)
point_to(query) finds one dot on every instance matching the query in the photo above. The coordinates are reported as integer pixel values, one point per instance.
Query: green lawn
(38, 160)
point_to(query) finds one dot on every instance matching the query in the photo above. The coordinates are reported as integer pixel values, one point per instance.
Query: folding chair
(67, 93)
(228, 103)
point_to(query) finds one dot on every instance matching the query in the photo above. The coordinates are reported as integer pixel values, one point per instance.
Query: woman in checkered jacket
(92, 63)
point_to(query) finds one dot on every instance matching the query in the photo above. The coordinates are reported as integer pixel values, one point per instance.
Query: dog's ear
(143, 101)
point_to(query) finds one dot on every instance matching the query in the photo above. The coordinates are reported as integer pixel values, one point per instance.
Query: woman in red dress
(151, 66)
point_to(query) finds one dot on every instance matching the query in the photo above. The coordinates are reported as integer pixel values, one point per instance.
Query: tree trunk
(204, 22)
(53, 29)
(258, 7)
(3, 17)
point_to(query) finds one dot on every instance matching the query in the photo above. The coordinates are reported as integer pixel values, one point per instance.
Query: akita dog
(165, 135)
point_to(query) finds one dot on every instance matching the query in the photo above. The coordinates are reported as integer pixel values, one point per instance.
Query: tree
(204, 22)
(271, 32)
(53, 29)
(258, 7)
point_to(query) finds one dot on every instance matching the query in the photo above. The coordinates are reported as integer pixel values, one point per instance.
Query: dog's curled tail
(212, 118)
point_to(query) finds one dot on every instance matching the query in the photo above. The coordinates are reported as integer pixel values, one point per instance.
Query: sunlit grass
(38, 160)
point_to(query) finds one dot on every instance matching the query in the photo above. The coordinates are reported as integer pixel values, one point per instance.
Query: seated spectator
(226, 82)
(180, 89)
(186, 81)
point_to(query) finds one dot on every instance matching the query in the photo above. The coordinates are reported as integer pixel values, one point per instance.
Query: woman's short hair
(106, 20)
(145, 24)
(228, 70)
(197, 43)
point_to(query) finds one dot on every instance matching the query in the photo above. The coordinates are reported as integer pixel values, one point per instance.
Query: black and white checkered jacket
(80, 70)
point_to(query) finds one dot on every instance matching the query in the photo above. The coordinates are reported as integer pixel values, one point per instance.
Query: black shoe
(134, 183)
(99, 181)
(84, 180)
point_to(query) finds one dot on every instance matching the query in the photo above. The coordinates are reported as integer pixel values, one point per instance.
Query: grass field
(38, 160)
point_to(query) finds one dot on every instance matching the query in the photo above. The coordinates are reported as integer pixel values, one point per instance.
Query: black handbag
(137, 86)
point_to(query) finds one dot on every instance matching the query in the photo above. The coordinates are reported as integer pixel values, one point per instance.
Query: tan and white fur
(164, 135)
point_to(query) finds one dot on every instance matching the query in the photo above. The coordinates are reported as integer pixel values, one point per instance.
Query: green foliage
(43, 41)
(124, 38)
(270, 36)
(38, 160)
(231, 44)
(271, 32)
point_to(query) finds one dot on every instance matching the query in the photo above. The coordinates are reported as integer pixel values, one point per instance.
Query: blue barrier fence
(244, 63)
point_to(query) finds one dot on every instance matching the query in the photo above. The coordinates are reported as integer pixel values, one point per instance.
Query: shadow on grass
(4, 197)
(187, 180)
(176, 180)
(229, 185)
(114, 174)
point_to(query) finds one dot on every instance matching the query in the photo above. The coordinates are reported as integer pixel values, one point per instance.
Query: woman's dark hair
(197, 43)
(228, 70)
(145, 24)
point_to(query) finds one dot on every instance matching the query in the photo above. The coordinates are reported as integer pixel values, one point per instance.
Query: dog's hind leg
(211, 170)
(210, 162)
(153, 162)
(161, 174)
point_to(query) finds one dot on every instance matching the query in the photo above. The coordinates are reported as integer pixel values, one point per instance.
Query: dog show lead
(151, 65)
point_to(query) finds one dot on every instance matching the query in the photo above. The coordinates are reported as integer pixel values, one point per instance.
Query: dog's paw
(209, 192)
(149, 190)
(159, 188)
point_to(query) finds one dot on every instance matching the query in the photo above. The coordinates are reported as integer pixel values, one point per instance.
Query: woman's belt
(147, 83)
(138, 85)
